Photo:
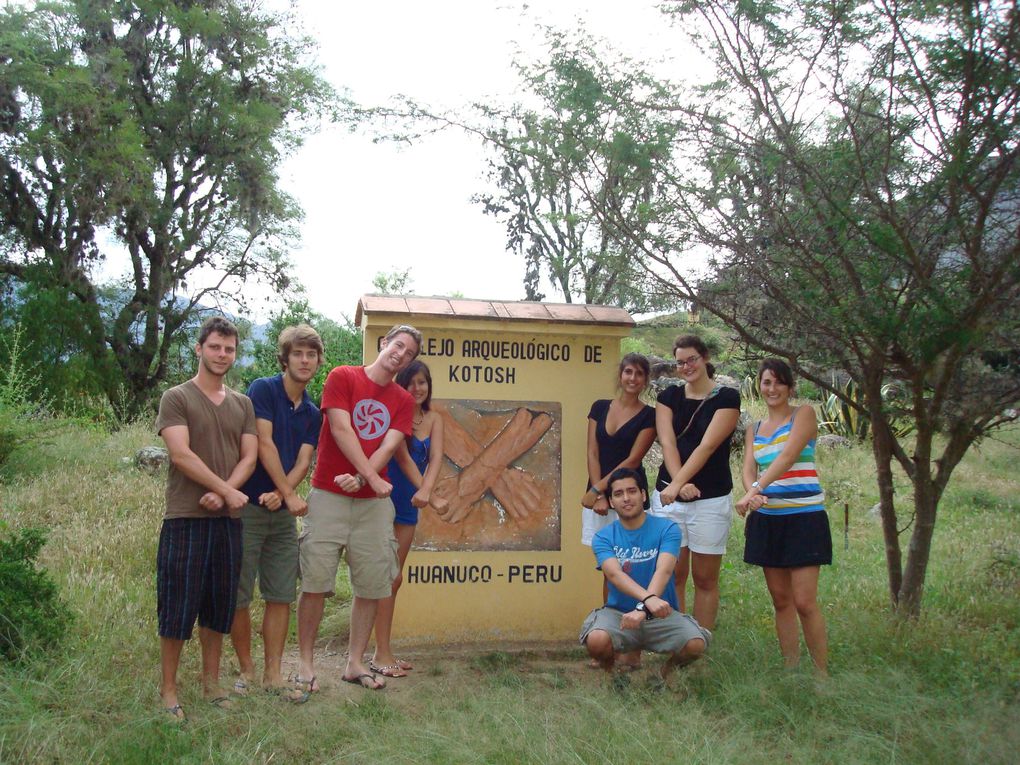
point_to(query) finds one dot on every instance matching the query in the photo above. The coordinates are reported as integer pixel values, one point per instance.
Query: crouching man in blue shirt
(637, 553)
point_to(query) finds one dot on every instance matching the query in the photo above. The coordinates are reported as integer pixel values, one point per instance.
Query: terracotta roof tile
(429, 305)
(570, 313)
(383, 303)
(501, 310)
(528, 311)
(475, 308)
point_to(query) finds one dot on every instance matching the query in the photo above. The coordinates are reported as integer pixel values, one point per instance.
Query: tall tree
(155, 130)
(852, 171)
(583, 146)
(580, 144)
(394, 282)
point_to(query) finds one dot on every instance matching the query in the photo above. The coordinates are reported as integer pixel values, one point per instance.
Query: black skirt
(788, 541)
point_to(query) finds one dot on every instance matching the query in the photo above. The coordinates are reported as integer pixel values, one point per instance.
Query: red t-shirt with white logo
(374, 410)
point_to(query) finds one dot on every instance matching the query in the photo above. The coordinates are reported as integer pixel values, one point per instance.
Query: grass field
(944, 689)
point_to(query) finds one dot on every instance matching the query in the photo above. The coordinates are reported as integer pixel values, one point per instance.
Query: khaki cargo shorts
(362, 527)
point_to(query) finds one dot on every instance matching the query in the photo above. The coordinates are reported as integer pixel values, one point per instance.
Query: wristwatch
(756, 485)
(641, 607)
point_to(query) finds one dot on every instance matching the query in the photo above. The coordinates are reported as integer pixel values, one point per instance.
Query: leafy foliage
(851, 172)
(393, 282)
(838, 416)
(153, 130)
(32, 616)
(342, 344)
(580, 144)
(635, 345)
(554, 165)
(20, 418)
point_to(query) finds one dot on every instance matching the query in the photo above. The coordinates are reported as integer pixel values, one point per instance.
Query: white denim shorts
(592, 522)
(704, 523)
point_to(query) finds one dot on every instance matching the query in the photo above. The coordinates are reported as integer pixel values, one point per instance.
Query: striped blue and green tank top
(797, 490)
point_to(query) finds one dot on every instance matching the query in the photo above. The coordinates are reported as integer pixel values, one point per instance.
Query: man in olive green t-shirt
(210, 434)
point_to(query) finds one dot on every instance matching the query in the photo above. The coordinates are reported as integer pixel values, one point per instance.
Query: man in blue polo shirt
(288, 430)
(637, 553)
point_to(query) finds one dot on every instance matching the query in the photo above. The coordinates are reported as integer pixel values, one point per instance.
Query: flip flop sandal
(360, 681)
(176, 712)
(387, 670)
(295, 696)
(405, 665)
(305, 686)
(287, 693)
(222, 702)
(241, 687)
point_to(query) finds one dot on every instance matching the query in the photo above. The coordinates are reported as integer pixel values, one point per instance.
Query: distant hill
(655, 336)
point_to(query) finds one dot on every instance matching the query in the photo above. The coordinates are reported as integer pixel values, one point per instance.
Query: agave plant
(841, 418)
(749, 390)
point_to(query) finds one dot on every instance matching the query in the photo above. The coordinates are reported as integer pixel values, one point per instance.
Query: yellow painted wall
(512, 604)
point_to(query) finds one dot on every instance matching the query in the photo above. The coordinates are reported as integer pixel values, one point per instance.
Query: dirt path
(536, 659)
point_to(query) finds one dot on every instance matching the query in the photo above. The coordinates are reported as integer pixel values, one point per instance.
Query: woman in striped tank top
(787, 528)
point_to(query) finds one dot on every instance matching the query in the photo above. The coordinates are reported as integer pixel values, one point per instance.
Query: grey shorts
(270, 553)
(665, 635)
(362, 527)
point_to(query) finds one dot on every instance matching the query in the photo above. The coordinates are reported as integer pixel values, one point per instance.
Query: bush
(635, 345)
(19, 418)
(32, 615)
(806, 389)
(342, 342)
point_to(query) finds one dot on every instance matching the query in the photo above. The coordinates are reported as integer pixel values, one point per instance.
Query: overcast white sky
(375, 207)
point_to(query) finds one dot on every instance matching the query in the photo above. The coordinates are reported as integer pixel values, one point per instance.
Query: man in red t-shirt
(367, 415)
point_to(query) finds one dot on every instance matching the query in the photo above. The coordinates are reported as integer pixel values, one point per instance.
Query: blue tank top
(403, 489)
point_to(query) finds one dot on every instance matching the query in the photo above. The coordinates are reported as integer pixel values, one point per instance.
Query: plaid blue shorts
(198, 566)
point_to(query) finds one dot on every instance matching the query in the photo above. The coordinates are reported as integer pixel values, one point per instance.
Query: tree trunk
(919, 550)
(882, 449)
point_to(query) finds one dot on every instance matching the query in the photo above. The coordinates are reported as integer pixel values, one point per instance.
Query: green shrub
(32, 615)
(11, 435)
(839, 417)
(806, 389)
(634, 345)
(342, 343)
(19, 417)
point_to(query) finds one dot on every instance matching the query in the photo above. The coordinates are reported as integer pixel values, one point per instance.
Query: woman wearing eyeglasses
(694, 423)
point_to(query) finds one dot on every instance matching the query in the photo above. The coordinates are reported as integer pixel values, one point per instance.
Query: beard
(210, 367)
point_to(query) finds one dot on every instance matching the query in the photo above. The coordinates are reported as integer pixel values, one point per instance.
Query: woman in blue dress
(413, 472)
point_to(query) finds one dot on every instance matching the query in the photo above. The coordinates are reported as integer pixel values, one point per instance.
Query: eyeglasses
(681, 363)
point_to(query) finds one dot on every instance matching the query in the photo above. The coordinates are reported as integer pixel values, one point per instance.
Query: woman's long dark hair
(405, 376)
(779, 368)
